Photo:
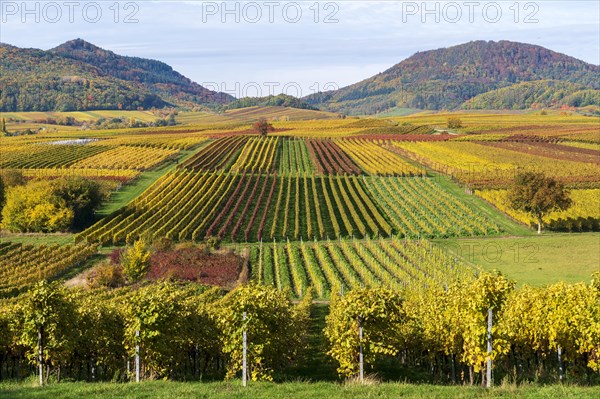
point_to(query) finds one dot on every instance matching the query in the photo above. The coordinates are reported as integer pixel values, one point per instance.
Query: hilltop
(78, 75)
(447, 77)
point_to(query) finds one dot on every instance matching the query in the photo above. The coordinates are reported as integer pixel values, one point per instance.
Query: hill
(78, 75)
(157, 76)
(447, 77)
(280, 100)
(537, 94)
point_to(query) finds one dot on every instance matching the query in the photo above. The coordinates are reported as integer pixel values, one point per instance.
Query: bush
(213, 243)
(107, 275)
(135, 261)
(35, 208)
(275, 327)
(171, 326)
(115, 256)
(81, 195)
(162, 244)
(49, 206)
(380, 311)
(13, 177)
(454, 123)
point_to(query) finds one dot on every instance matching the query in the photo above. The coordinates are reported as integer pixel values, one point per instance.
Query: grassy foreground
(534, 260)
(303, 390)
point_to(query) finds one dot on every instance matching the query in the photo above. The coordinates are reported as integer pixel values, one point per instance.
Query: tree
(454, 123)
(82, 196)
(48, 206)
(135, 261)
(3, 126)
(538, 195)
(262, 127)
(35, 208)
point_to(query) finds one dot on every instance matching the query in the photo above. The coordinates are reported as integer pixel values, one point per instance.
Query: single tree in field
(454, 123)
(538, 195)
(262, 127)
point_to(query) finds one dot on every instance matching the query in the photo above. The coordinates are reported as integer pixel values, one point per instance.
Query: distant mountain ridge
(447, 77)
(78, 75)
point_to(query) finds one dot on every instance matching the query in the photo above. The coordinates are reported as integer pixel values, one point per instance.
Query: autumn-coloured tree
(35, 208)
(538, 195)
(135, 261)
(454, 123)
(262, 127)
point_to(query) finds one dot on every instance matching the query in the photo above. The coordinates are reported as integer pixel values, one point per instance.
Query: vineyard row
(252, 207)
(291, 156)
(350, 264)
(23, 265)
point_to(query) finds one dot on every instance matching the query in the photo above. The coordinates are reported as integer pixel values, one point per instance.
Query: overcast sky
(255, 47)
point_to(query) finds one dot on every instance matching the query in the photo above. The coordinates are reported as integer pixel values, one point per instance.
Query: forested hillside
(80, 76)
(537, 94)
(447, 77)
(282, 100)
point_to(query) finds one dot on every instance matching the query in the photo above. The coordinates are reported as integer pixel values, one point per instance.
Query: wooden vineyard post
(137, 356)
(360, 351)
(40, 356)
(260, 262)
(489, 350)
(244, 353)
(560, 365)
(453, 369)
